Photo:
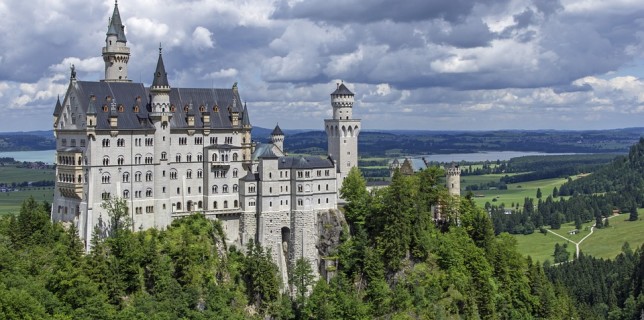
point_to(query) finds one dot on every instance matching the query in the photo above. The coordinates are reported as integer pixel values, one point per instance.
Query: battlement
(453, 171)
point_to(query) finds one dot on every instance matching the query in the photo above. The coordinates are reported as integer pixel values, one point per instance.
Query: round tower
(116, 53)
(277, 137)
(342, 132)
(453, 179)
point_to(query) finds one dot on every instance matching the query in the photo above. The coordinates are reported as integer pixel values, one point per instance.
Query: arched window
(214, 205)
(214, 189)
(178, 205)
(234, 156)
(199, 205)
(235, 188)
(126, 194)
(189, 174)
(164, 155)
(126, 177)
(235, 173)
(225, 204)
(224, 189)
(214, 157)
(236, 204)
(106, 161)
(199, 174)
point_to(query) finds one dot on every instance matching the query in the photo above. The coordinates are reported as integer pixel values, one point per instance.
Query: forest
(614, 187)
(399, 265)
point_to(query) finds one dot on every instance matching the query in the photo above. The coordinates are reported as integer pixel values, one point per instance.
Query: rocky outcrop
(331, 225)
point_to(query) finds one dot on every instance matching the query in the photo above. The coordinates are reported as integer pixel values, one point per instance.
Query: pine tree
(633, 214)
(539, 193)
(555, 192)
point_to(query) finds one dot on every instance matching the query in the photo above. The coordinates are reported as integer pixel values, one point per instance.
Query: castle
(170, 152)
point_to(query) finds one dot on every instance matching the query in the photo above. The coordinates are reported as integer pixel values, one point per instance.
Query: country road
(592, 229)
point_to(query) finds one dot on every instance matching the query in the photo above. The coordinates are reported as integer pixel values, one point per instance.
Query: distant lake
(46, 156)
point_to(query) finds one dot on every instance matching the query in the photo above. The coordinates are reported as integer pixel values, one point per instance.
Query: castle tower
(453, 179)
(342, 132)
(116, 53)
(277, 137)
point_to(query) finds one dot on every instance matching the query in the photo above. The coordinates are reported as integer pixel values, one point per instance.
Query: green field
(603, 243)
(10, 201)
(10, 174)
(516, 192)
(607, 242)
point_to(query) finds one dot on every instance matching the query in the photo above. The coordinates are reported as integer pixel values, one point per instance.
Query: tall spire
(160, 76)
(116, 27)
(116, 53)
(245, 117)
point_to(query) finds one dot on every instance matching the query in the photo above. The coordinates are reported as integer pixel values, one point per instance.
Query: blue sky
(417, 64)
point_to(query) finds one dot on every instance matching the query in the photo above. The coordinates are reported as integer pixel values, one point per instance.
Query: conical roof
(342, 90)
(58, 108)
(245, 118)
(277, 131)
(160, 76)
(116, 27)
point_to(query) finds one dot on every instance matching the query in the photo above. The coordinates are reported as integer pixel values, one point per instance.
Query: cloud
(455, 64)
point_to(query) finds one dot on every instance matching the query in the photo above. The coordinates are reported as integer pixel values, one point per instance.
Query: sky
(413, 64)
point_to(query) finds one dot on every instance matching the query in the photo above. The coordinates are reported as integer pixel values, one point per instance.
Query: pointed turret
(160, 76)
(58, 108)
(116, 53)
(245, 117)
(90, 118)
(116, 27)
(277, 138)
(160, 89)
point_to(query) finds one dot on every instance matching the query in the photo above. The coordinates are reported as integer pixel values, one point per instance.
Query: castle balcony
(220, 164)
(217, 212)
(70, 190)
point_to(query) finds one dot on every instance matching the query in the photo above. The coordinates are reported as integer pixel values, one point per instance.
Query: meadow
(10, 202)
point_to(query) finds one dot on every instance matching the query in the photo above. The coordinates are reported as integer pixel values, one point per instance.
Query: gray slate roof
(126, 93)
(277, 131)
(303, 162)
(58, 108)
(342, 89)
(116, 26)
(160, 76)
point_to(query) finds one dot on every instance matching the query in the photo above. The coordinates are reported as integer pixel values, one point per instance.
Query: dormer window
(108, 98)
(136, 108)
(202, 108)
(173, 108)
(121, 108)
(105, 108)
(215, 108)
(185, 108)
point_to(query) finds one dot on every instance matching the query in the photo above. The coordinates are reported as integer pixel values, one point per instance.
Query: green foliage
(261, 277)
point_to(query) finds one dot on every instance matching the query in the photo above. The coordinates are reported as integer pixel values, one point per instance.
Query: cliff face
(331, 225)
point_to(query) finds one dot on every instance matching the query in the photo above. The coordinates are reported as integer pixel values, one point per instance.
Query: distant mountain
(27, 141)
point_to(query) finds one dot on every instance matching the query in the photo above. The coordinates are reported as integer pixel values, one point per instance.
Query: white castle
(170, 152)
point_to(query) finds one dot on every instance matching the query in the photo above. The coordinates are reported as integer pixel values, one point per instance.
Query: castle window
(225, 204)
(235, 157)
(202, 108)
(327, 187)
(105, 108)
(126, 194)
(164, 155)
(300, 188)
(120, 160)
(173, 108)
(224, 188)
(251, 203)
(270, 190)
(186, 108)
(148, 192)
(327, 200)
(136, 108)
(137, 176)
(326, 173)
(82, 143)
(105, 178)
(214, 157)
(148, 176)
(214, 205)
(215, 108)
(106, 161)
(126, 177)
(251, 188)
(106, 142)
(178, 157)
(235, 204)
(173, 174)
(149, 141)
(199, 157)
(199, 205)
(189, 174)
(178, 205)
(73, 143)
(137, 159)
(300, 202)
(105, 195)
(235, 173)
(121, 108)
(214, 189)
(199, 174)
(189, 158)
(318, 201)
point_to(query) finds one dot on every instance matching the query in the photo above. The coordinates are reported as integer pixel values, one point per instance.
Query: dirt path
(592, 229)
